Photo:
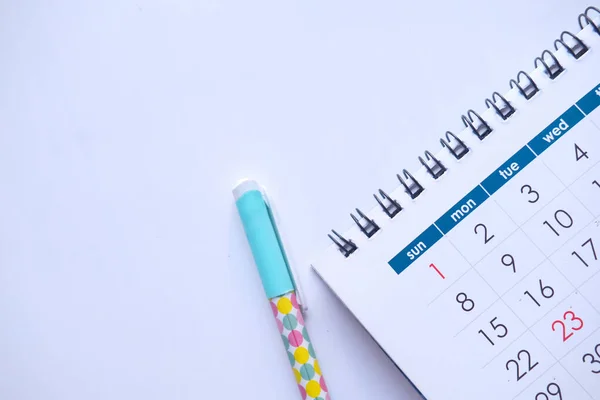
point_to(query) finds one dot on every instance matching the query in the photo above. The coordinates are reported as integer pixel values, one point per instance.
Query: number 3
(530, 191)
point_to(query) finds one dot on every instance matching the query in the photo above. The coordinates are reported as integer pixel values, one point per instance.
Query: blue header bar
(590, 101)
(461, 209)
(508, 170)
(496, 180)
(556, 130)
(414, 250)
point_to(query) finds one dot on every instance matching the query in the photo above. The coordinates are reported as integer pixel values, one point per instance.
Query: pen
(280, 287)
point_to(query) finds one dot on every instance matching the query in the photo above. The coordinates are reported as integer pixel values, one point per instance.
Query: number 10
(566, 222)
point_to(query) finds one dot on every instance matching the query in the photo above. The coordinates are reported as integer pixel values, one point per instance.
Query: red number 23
(574, 319)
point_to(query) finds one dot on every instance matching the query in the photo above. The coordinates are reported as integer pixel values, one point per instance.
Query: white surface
(124, 271)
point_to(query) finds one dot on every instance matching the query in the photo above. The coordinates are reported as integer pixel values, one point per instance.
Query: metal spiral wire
(526, 87)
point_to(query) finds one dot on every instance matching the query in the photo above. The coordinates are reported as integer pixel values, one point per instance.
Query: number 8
(466, 303)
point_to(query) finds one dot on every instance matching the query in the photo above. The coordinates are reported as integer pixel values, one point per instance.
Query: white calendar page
(487, 285)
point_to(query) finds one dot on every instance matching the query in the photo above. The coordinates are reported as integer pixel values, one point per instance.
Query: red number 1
(437, 270)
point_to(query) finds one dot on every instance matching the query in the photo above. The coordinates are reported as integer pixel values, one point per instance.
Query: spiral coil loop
(412, 187)
(459, 151)
(437, 169)
(482, 130)
(345, 246)
(577, 50)
(505, 110)
(585, 19)
(393, 207)
(527, 91)
(554, 69)
(526, 87)
(369, 227)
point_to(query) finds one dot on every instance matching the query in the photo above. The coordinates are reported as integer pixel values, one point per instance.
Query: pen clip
(274, 216)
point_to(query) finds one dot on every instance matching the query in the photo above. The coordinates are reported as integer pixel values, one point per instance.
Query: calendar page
(487, 285)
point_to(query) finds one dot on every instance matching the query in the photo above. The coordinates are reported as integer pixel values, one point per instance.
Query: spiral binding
(480, 128)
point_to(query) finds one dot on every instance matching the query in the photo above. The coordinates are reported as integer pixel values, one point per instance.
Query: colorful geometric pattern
(299, 348)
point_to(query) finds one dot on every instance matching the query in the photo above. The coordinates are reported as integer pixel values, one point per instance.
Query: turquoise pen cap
(264, 242)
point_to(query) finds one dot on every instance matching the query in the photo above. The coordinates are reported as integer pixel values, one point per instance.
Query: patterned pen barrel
(299, 348)
(280, 287)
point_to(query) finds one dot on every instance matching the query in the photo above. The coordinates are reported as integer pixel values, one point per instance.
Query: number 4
(580, 153)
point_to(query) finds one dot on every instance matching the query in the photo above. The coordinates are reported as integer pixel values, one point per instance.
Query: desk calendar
(480, 275)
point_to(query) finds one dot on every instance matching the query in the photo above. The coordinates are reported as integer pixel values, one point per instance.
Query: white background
(124, 270)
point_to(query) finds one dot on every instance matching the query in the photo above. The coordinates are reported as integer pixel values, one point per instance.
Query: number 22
(529, 365)
(564, 327)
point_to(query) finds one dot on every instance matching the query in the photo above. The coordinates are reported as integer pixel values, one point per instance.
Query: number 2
(564, 327)
(529, 365)
(486, 239)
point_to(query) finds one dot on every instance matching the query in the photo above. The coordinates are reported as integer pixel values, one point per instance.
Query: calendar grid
(466, 272)
(567, 188)
(558, 362)
(566, 277)
(528, 328)
(566, 295)
(549, 368)
(500, 299)
(533, 150)
(569, 372)
(504, 240)
(448, 288)
(525, 332)
(584, 206)
(491, 360)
